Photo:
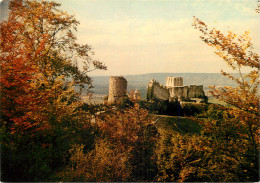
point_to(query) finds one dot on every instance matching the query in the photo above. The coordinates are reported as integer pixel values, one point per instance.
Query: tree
(38, 45)
(237, 129)
(41, 115)
(124, 151)
(42, 20)
(258, 7)
(131, 130)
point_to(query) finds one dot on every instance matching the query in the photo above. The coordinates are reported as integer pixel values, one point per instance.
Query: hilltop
(140, 82)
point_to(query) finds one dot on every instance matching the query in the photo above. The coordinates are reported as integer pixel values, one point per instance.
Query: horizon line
(163, 73)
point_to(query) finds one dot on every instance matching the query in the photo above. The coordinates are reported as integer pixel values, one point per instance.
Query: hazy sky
(148, 36)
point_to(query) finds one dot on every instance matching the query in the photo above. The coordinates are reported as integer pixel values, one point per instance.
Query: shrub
(193, 159)
(123, 152)
(190, 109)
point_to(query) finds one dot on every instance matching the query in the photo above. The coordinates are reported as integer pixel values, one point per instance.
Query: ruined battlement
(174, 89)
(154, 82)
(156, 90)
(196, 91)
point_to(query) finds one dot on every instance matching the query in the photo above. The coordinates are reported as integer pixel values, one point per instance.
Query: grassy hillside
(213, 100)
(172, 124)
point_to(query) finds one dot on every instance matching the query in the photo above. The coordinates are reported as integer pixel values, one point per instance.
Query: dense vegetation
(49, 134)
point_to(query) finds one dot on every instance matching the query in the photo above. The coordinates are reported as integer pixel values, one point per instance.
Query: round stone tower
(117, 88)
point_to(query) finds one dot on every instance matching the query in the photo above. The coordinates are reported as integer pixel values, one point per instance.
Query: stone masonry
(174, 81)
(174, 89)
(117, 88)
(157, 91)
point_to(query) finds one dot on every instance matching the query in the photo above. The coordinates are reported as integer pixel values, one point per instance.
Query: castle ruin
(174, 81)
(117, 89)
(137, 94)
(174, 89)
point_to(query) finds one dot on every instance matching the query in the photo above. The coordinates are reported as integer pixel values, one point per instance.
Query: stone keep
(174, 81)
(117, 88)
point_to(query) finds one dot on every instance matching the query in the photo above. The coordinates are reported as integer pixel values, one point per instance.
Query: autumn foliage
(235, 129)
(227, 149)
(48, 134)
(40, 111)
(124, 150)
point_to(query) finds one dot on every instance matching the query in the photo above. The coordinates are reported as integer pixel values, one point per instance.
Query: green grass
(173, 124)
(213, 100)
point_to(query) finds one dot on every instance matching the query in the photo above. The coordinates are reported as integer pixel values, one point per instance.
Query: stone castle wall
(174, 89)
(181, 91)
(117, 88)
(196, 91)
(157, 91)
